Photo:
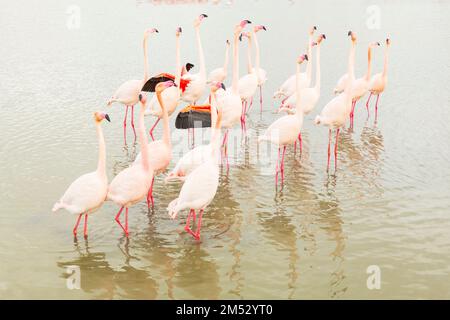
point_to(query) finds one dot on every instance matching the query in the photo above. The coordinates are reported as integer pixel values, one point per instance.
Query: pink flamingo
(128, 92)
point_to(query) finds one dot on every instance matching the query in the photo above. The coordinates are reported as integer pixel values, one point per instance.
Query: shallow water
(387, 204)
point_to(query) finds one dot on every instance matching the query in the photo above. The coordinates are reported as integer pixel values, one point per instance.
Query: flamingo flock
(199, 169)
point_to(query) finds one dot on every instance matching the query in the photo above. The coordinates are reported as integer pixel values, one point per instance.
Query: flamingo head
(388, 41)
(178, 175)
(352, 35)
(199, 19)
(245, 34)
(143, 98)
(259, 28)
(178, 32)
(100, 116)
(150, 31)
(312, 30)
(217, 85)
(228, 43)
(320, 38)
(189, 66)
(160, 87)
(374, 44)
(314, 43)
(241, 26)
(302, 58)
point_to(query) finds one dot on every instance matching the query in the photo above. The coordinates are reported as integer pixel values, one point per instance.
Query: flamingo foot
(85, 231)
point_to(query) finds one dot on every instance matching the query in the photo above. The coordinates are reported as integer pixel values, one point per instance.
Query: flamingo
(286, 130)
(131, 185)
(335, 112)
(195, 157)
(159, 152)
(309, 96)
(200, 186)
(128, 92)
(87, 193)
(378, 82)
(220, 74)
(249, 82)
(260, 72)
(230, 102)
(170, 96)
(197, 82)
(288, 87)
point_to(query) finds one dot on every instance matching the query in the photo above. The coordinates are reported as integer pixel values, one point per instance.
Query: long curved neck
(145, 59)
(225, 64)
(298, 108)
(213, 117)
(101, 166)
(249, 55)
(166, 128)
(200, 51)
(258, 58)
(369, 63)
(386, 56)
(178, 63)
(317, 85)
(309, 66)
(350, 70)
(143, 140)
(235, 87)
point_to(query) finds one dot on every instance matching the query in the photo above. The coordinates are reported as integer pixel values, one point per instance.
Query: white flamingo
(286, 130)
(220, 74)
(195, 157)
(230, 102)
(309, 96)
(87, 193)
(378, 82)
(170, 96)
(249, 82)
(159, 151)
(200, 187)
(128, 92)
(288, 87)
(131, 185)
(336, 112)
(197, 81)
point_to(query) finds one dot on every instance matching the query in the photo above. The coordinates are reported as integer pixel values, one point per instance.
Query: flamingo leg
(118, 220)
(125, 126)
(352, 113)
(126, 221)
(85, 231)
(335, 149)
(260, 98)
(376, 106)
(251, 104)
(199, 225)
(329, 150)
(150, 195)
(367, 105)
(277, 168)
(282, 165)
(132, 122)
(295, 147)
(187, 227)
(153, 128)
(300, 140)
(76, 225)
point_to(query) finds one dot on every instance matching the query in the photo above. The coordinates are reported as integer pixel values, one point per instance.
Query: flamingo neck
(200, 52)
(317, 85)
(386, 56)
(143, 140)
(309, 65)
(235, 87)
(178, 63)
(214, 130)
(225, 64)
(101, 166)
(351, 74)
(369, 64)
(258, 58)
(299, 111)
(145, 59)
(249, 55)
(166, 128)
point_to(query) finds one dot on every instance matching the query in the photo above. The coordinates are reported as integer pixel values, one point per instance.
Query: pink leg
(187, 227)
(352, 114)
(153, 128)
(367, 105)
(132, 122)
(376, 106)
(85, 226)
(150, 195)
(282, 165)
(277, 168)
(300, 140)
(260, 98)
(126, 221)
(118, 220)
(76, 225)
(199, 226)
(125, 126)
(335, 149)
(329, 150)
(250, 106)
(295, 147)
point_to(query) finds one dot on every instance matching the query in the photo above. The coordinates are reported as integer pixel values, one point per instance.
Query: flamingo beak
(323, 36)
(240, 37)
(223, 86)
(349, 33)
(107, 117)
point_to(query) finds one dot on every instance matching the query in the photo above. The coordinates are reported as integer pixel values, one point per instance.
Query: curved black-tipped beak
(315, 27)
(378, 44)
(240, 37)
(306, 57)
(264, 28)
(156, 30)
(180, 29)
(140, 97)
(323, 35)
(189, 66)
(248, 21)
(175, 85)
(223, 86)
(107, 118)
(349, 33)
(204, 15)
